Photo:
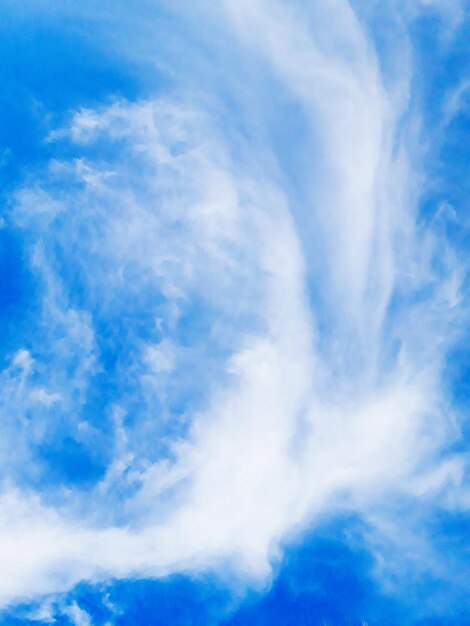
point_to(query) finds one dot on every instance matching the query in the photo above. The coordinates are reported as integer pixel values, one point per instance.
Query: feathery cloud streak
(242, 319)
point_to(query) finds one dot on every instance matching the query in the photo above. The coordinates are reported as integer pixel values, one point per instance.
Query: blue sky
(234, 312)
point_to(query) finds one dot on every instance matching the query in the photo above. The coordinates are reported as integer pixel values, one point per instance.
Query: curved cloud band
(242, 320)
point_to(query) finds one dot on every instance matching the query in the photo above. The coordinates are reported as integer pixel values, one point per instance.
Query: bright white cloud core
(280, 318)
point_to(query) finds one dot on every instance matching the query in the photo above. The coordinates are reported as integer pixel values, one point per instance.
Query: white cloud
(78, 616)
(160, 357)
(316, 396)
(456, 102)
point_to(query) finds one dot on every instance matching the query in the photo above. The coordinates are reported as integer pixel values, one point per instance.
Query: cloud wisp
(242, 319)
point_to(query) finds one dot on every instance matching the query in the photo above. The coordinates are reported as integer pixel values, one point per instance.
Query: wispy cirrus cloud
(242, 321)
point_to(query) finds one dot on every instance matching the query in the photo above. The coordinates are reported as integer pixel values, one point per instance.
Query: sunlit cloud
(242, 317)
